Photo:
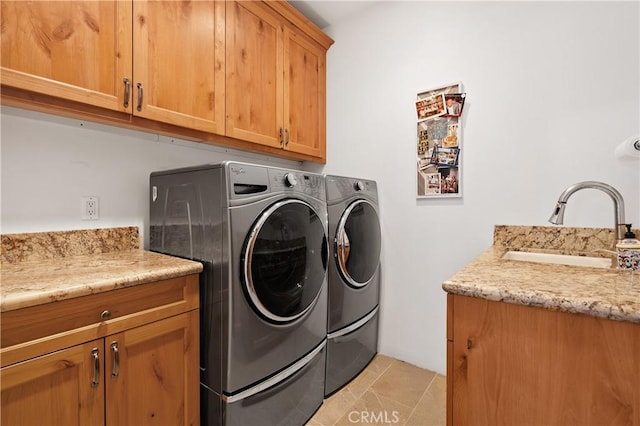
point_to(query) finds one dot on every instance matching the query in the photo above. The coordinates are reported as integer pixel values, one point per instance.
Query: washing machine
(354, 278)
(261, 234)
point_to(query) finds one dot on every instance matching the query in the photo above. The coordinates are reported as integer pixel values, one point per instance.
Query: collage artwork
(439, 142)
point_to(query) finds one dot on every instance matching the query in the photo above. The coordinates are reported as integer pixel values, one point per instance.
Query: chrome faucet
(557, 217)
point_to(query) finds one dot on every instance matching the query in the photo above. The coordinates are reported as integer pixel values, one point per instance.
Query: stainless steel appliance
(354, 278)
(260, 233)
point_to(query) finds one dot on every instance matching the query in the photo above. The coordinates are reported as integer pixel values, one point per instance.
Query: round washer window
(285, 260)
(358, 242)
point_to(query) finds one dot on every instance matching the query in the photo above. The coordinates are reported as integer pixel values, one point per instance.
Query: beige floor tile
(431, 409)
(403, 382)
(374, 409)
(379, 364)
(334, 407)
(363, 381)
(387, 392)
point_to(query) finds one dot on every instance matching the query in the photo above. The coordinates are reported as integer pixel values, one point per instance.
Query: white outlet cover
(90, 208)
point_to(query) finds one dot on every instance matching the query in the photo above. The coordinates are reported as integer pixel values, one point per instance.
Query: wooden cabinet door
(55, 389)
(275, 81)
(304, 95)
(178, 59)
(254, 73)
(521, 365)
(76, 50)
(155, 379)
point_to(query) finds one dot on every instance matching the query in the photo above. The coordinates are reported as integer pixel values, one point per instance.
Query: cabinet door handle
(127, 92)
(286, 137)
(140, 96)
(281, 136)
(116, 360)
(95, 355)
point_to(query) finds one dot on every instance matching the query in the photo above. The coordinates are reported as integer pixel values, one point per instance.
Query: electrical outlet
(90, 208)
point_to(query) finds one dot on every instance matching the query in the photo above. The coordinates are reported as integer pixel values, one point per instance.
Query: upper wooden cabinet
(304, 95)
(178, 63)
(246, 74)
(275, 80)
(255, 70)
(162, 60)
(76, 50)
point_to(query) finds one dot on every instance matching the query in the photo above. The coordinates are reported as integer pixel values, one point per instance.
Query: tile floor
(387, 392)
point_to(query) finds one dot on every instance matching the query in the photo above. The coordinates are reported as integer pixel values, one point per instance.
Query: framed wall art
(439, 144)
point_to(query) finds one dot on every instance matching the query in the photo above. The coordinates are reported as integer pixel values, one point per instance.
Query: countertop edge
(492, 278)
(128, 269)
(593, 308)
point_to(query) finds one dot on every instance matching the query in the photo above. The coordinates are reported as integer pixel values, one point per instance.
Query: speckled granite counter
(46, 278)
(57, 244)
(606, 293)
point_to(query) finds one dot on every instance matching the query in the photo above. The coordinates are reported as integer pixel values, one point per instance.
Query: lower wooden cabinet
(153, 381)
(144, 371)
(55, 389)
(511, 364)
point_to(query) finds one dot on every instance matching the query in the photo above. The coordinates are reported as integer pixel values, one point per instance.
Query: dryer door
(358, 242)
(285, 260)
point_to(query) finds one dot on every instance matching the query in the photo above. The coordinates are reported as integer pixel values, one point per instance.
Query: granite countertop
(37, 282)
(33, 275)
(607, 293)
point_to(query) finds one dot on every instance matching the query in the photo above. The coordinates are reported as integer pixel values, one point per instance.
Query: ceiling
(324, 13)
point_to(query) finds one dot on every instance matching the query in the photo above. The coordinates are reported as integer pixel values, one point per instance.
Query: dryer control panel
(340, 188)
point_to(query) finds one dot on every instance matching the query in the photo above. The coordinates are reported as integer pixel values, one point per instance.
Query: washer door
(358, 243)
(285, 260)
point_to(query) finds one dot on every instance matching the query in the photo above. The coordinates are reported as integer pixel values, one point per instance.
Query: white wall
(552, 88)
(516, 61)
(49, 163)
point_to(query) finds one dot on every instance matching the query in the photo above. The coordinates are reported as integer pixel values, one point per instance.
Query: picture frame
(439, 141)
(445, 157)
(454, 104)
(431, 107)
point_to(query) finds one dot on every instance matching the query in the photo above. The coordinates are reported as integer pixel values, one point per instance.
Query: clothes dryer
(354, 278)
(260, 233)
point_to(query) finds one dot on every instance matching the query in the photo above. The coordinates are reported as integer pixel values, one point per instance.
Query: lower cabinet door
(152, 373)
(62, 388)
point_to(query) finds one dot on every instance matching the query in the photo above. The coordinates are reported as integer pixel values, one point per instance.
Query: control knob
(358, 186)
(290, 180)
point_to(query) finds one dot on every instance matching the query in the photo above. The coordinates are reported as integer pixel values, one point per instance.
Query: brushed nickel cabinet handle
(116, 360)
(127, 92)
(95, 355)
(140, 96)
(105, 315)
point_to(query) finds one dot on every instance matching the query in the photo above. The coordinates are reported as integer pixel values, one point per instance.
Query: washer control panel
(248, 180)
(290, 180)
(297, 182)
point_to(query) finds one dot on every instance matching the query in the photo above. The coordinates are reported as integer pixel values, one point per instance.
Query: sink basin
(558, 259)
